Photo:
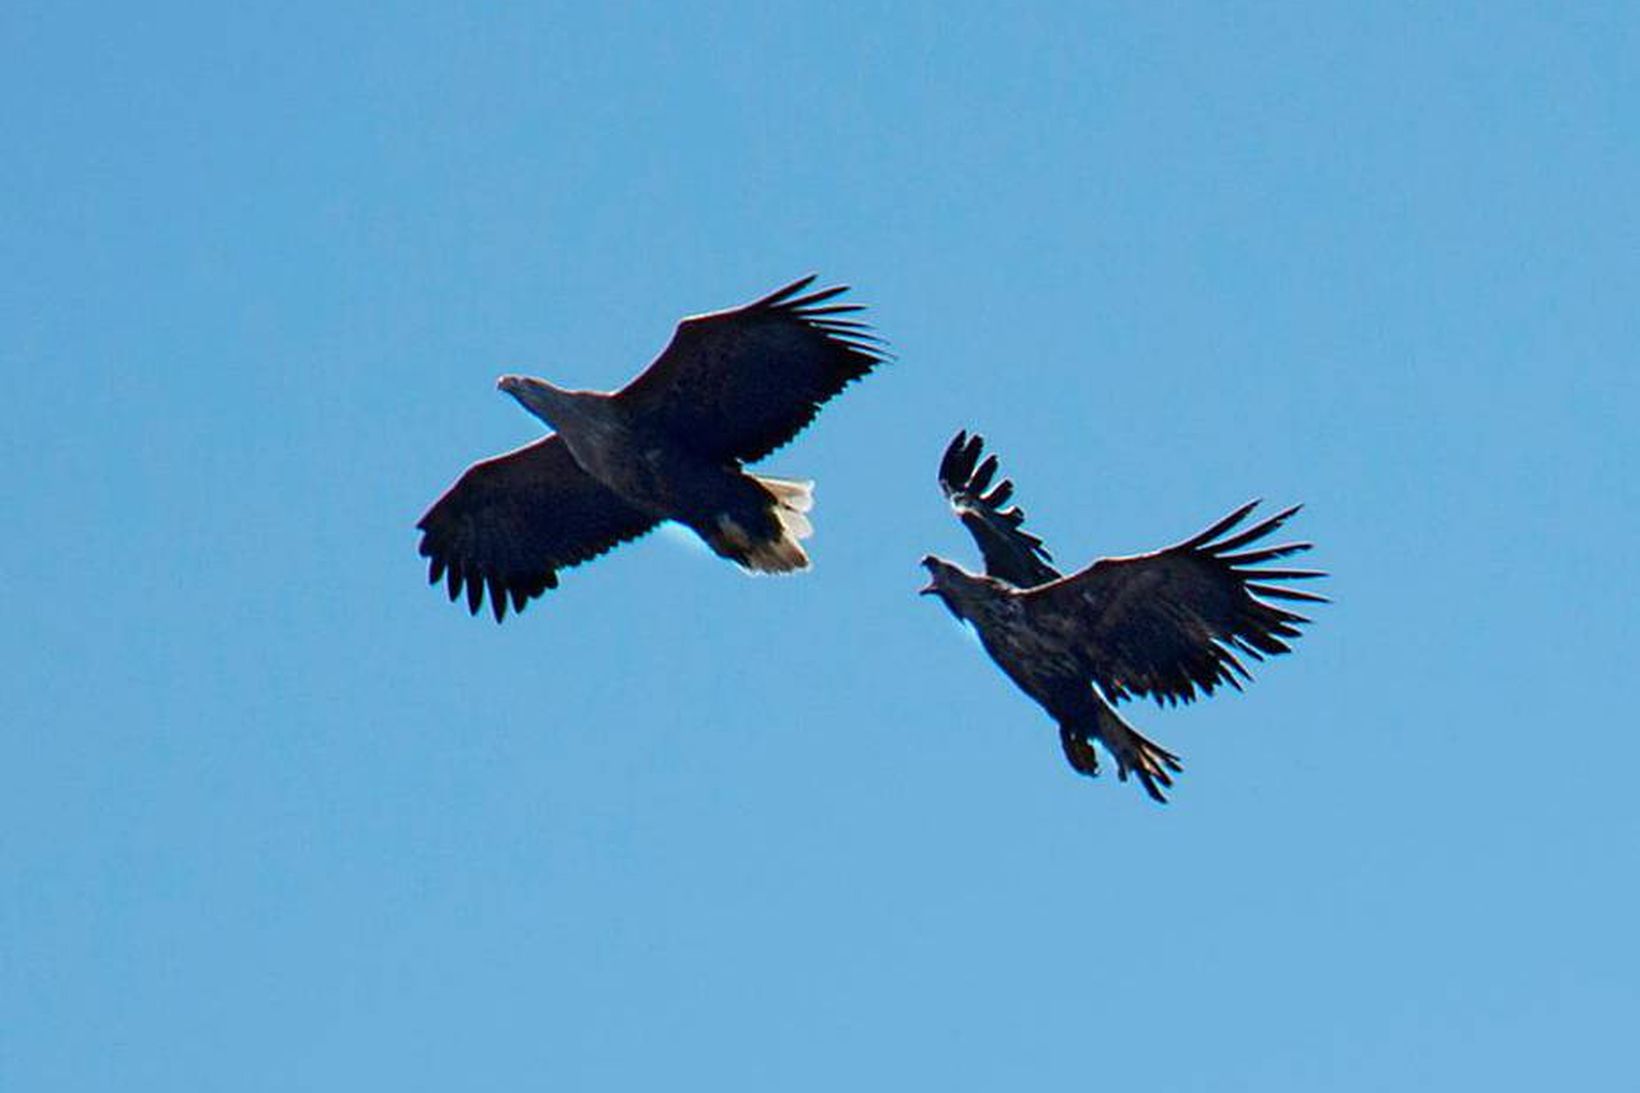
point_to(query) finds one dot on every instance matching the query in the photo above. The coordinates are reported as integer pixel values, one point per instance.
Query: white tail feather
(793, 495)
(792, 500)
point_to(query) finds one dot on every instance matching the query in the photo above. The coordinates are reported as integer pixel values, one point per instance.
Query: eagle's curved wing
(1171, 623)
(1011, 553)
(738, 384)
(511, 522)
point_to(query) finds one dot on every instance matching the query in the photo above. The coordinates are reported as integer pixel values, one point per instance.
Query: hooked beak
(928, 589)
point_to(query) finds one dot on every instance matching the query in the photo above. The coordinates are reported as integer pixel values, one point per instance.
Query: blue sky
(276, 816)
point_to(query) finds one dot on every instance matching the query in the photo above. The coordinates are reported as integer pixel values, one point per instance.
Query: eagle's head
(562, 410)
(957, 588)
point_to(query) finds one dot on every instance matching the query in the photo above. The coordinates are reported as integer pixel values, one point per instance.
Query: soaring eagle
(729, 388)
(1169, 624)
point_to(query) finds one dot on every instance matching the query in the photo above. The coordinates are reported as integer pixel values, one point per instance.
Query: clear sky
(275, 816)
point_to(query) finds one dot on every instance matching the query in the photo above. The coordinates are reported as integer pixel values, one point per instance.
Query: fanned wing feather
(511, 522)
(1011, 553)
(738, 384)
(1171, 624)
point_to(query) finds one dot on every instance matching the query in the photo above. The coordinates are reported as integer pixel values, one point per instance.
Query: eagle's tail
(787, 504)
(1134, 753)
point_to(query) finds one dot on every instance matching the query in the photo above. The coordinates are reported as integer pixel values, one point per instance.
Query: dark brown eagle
(729, 388)
(1169, 624)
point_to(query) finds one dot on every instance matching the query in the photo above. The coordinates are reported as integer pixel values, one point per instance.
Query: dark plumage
(1172, 624)
(729, 388)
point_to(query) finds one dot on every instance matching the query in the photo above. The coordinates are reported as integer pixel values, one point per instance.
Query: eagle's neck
(590, 422)
(573, 413)
(970, 596)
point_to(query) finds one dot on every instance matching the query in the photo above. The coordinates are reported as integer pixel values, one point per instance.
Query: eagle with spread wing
(729, 388)
(1172, 625)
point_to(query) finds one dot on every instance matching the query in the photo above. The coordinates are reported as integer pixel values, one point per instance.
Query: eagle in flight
(729, 388)
(1171, 625)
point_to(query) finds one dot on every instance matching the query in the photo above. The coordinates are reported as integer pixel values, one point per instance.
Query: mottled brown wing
(511, 522)
(738, 384)
(1170, 624)
(1011, 553)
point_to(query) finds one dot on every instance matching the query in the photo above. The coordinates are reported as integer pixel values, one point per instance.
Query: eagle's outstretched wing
(1170, 624)
(511, 522)
(738, 384)
(1011, 553)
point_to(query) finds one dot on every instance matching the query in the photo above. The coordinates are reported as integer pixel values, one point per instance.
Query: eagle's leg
(1134, 754)
(1079, 752)
(759, 522)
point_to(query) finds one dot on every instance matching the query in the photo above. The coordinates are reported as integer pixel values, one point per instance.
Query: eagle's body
(1168, 624)
(1034, 660)
(728, 389)
(755, 521)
